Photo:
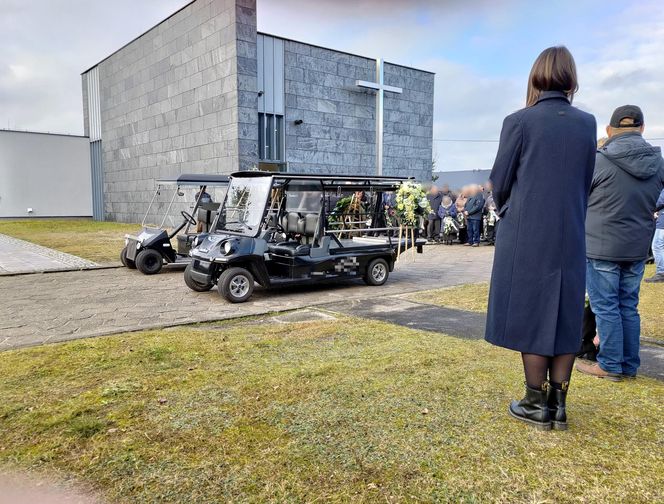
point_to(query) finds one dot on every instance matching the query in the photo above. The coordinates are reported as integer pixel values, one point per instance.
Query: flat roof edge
(342, 52)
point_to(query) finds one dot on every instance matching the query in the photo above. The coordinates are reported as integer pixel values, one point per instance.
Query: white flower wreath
(412, 202)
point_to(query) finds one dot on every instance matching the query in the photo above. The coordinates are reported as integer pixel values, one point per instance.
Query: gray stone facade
(183, 98)
(178, 99)
(337, 134)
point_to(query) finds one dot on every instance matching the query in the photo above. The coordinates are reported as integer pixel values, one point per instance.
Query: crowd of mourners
(466, 216)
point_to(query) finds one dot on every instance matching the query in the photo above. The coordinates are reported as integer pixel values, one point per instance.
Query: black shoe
(658, 277)
(533, 408)
(557, 399)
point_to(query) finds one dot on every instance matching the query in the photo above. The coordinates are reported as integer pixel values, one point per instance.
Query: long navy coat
(541, 179)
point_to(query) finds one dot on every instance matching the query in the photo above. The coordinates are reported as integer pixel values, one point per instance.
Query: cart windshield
(245, 202)
(171, 199)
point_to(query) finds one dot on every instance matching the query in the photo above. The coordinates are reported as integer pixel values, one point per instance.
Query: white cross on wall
(380, 87)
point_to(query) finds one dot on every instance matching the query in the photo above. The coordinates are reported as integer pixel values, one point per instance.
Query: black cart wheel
(377, 272)
(128, 263)
(193, 284)
(236, 285)
(149, 261)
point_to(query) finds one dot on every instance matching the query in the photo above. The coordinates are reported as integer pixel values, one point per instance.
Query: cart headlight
(228, 247)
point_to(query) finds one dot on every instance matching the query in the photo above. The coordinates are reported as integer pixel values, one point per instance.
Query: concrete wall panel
(48, 173)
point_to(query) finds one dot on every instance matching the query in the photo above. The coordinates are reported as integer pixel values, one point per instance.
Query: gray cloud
(47, 44)
(628, 69)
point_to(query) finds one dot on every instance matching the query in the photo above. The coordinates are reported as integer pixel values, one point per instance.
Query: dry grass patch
(344, 411)
(474, 297)
(470, 297)
(100, 242)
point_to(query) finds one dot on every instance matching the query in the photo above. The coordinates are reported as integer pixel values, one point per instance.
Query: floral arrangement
(338, 212)
(347, 206)
(492, 217)
(412, 203)
(450, 226)
(461, 220)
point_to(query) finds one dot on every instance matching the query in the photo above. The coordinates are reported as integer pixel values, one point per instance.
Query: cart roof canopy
(196, 179)
(344, 182)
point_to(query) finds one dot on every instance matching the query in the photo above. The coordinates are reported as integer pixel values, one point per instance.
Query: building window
(270, 137)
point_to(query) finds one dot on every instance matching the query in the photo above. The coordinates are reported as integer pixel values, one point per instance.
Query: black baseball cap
(627, 112)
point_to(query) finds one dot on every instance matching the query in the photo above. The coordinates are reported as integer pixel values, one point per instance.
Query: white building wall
(48, 173)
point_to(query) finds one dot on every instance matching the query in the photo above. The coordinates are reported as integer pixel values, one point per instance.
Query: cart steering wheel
(188, 218)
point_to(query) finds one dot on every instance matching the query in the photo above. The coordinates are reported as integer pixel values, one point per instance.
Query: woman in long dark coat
(541, 179)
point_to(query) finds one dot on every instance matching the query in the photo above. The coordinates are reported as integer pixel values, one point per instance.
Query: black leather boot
(557, 400)
(533, 408)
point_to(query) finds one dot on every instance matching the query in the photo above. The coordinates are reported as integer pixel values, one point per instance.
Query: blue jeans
(658, 250)
(613, 289)
(473, 231)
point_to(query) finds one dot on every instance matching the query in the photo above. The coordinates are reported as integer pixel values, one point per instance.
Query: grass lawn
(100, 242)
(342, 411)
(474, 297)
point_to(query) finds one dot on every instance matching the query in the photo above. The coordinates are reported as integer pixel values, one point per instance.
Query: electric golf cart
(279, 229)
(152, 248)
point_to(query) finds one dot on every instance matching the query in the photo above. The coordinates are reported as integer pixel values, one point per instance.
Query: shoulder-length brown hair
(553, 70)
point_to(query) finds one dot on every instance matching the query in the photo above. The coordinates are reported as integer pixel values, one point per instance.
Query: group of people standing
(572, 218)
(464, 217)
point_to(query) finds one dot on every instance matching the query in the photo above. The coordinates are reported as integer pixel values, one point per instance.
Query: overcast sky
(481, 51)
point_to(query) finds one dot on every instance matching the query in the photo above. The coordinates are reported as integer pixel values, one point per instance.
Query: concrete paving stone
(303, 316)
(19, 256)
(652, 361)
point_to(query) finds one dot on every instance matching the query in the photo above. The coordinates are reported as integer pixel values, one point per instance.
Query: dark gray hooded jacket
(629, 175)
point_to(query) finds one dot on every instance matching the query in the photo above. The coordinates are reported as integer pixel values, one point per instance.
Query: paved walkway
(460, 323)
(19, 256)
(38, 309)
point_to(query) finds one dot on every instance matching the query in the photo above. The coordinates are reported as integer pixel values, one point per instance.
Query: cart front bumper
(133, 246)
(201, 271)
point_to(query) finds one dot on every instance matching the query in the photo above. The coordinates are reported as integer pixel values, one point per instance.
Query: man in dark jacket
(629, 175)
(658, 242)
(473, 212)
(433, 226)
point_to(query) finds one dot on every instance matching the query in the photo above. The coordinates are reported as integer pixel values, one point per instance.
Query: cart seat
(185, 242)
(300, 224)
(206, 217)
(290, 248)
